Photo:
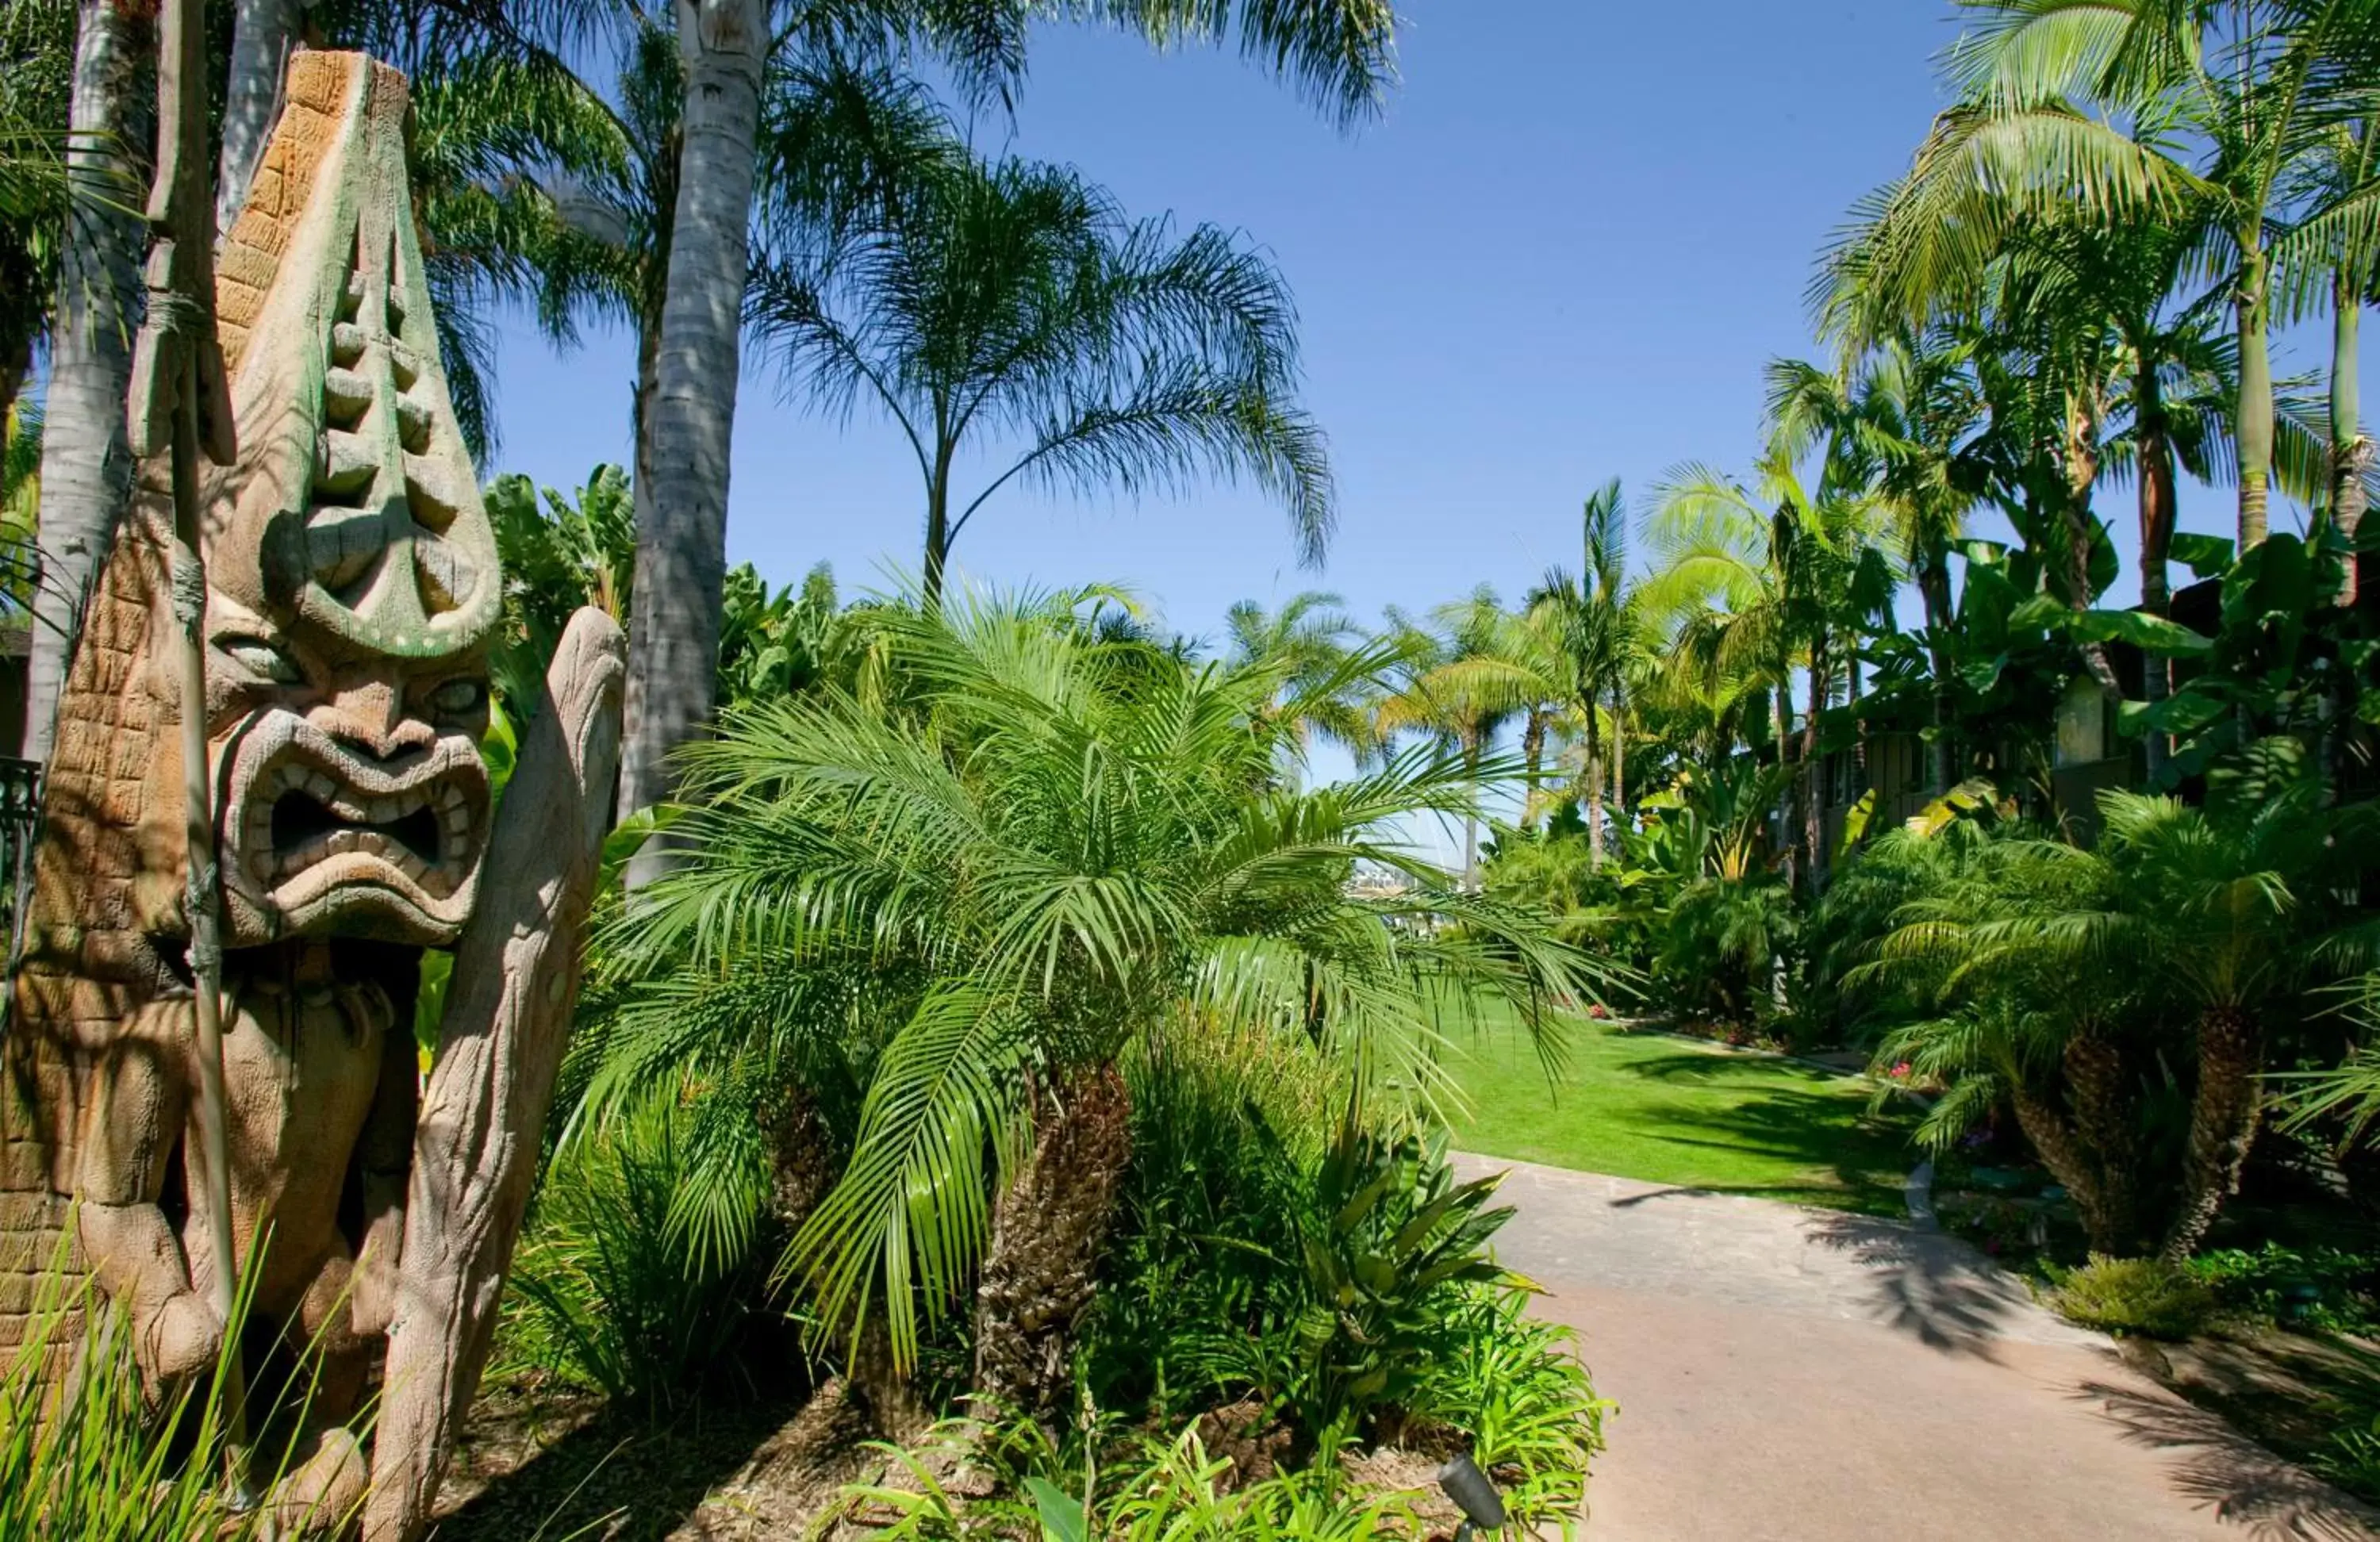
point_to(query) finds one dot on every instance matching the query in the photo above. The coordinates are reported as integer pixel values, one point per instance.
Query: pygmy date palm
(1056, 842)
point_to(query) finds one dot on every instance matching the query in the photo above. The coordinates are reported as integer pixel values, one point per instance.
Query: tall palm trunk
(2350, 449)
(2157, 511)
(1471, 751)
(1532, 760)
(2224, 1111)
(2081, 456)
(1619, 768)
(1933, 591)
(86, 460)
(261, 34)
(1047, 1228)
(938, 523)
(1781, 708)
(1592, 776)
(1813, 828)
(682, 550)
(2252, 420)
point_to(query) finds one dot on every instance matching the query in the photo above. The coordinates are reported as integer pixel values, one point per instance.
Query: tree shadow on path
(1935, 1288)
(2223, 1470)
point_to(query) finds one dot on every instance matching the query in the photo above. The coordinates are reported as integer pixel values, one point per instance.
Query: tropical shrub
(1515, 1387)
(606, 1292)
(2087, 990)
(1386, 1241)
(1152, 1491)
(2147, 1298)
(2326, 1289)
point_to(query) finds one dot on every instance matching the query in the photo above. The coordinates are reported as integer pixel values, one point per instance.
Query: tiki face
(351, 567)
(355, 801)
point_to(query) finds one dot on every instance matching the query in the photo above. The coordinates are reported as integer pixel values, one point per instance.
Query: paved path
(1786, 1375)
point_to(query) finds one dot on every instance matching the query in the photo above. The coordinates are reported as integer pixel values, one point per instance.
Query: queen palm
(1339, 52)
(1058, 844)
(2253, 83)
(1013, 304)
(85, 457)
(1902, 422)
(1600, 641)
(1319, 641)
(1463, 682)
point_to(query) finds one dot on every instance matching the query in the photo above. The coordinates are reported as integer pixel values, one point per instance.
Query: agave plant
(948, 916)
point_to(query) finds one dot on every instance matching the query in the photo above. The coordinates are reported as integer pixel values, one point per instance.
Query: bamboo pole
(176, 367)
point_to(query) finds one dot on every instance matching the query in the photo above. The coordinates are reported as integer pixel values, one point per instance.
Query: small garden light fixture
(1475, 1494)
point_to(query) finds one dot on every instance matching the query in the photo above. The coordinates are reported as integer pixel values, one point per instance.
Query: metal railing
(21, 822)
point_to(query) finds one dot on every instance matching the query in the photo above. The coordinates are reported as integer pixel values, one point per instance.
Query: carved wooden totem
(352, 587)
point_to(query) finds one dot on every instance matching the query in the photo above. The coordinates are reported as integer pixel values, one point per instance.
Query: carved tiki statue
(352, 589)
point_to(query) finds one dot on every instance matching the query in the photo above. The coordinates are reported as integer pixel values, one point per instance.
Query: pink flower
(1900, 1072)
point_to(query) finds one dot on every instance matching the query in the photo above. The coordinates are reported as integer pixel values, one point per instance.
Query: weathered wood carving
(352, 589)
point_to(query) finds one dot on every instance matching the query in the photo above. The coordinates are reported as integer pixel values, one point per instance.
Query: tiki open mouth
(335, 840)
(312, 823)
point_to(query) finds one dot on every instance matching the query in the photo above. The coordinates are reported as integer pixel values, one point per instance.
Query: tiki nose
(369, 716)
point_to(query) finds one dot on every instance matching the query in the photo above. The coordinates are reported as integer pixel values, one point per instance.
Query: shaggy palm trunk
(2099, 1089)
(2254, 416)
(2350, 450)
(2061, 1149)
(86, 460)
(1047, 1228)
(682, 550)
(262, 33)
(2157, 510)
(2223, 1117)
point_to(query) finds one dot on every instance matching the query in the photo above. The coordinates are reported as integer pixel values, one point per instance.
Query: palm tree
(1600, 642)
(2253, 83)
(2333, 252)
(1059, 844)
(1761, 583)
(1341, 52)
(2223, 916)
(1015, 301)
(262, 33)
(1459, 688)
(86, 458)
(1316, 640)
(1902, 423)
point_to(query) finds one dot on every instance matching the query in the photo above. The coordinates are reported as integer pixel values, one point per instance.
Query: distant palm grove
(1038, 1033)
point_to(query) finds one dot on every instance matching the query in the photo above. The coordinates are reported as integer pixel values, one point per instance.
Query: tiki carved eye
(263, 660)
(457, 696)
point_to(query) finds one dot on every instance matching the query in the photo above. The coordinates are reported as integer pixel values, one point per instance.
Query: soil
(547, 1464)
(542, 1465)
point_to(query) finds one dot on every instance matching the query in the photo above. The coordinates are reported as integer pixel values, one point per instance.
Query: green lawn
(1669, 1110)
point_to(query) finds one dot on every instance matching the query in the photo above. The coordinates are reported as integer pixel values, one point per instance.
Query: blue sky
(1562, 254)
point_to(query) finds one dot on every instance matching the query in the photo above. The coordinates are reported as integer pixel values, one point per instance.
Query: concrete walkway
(1786, 1375)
